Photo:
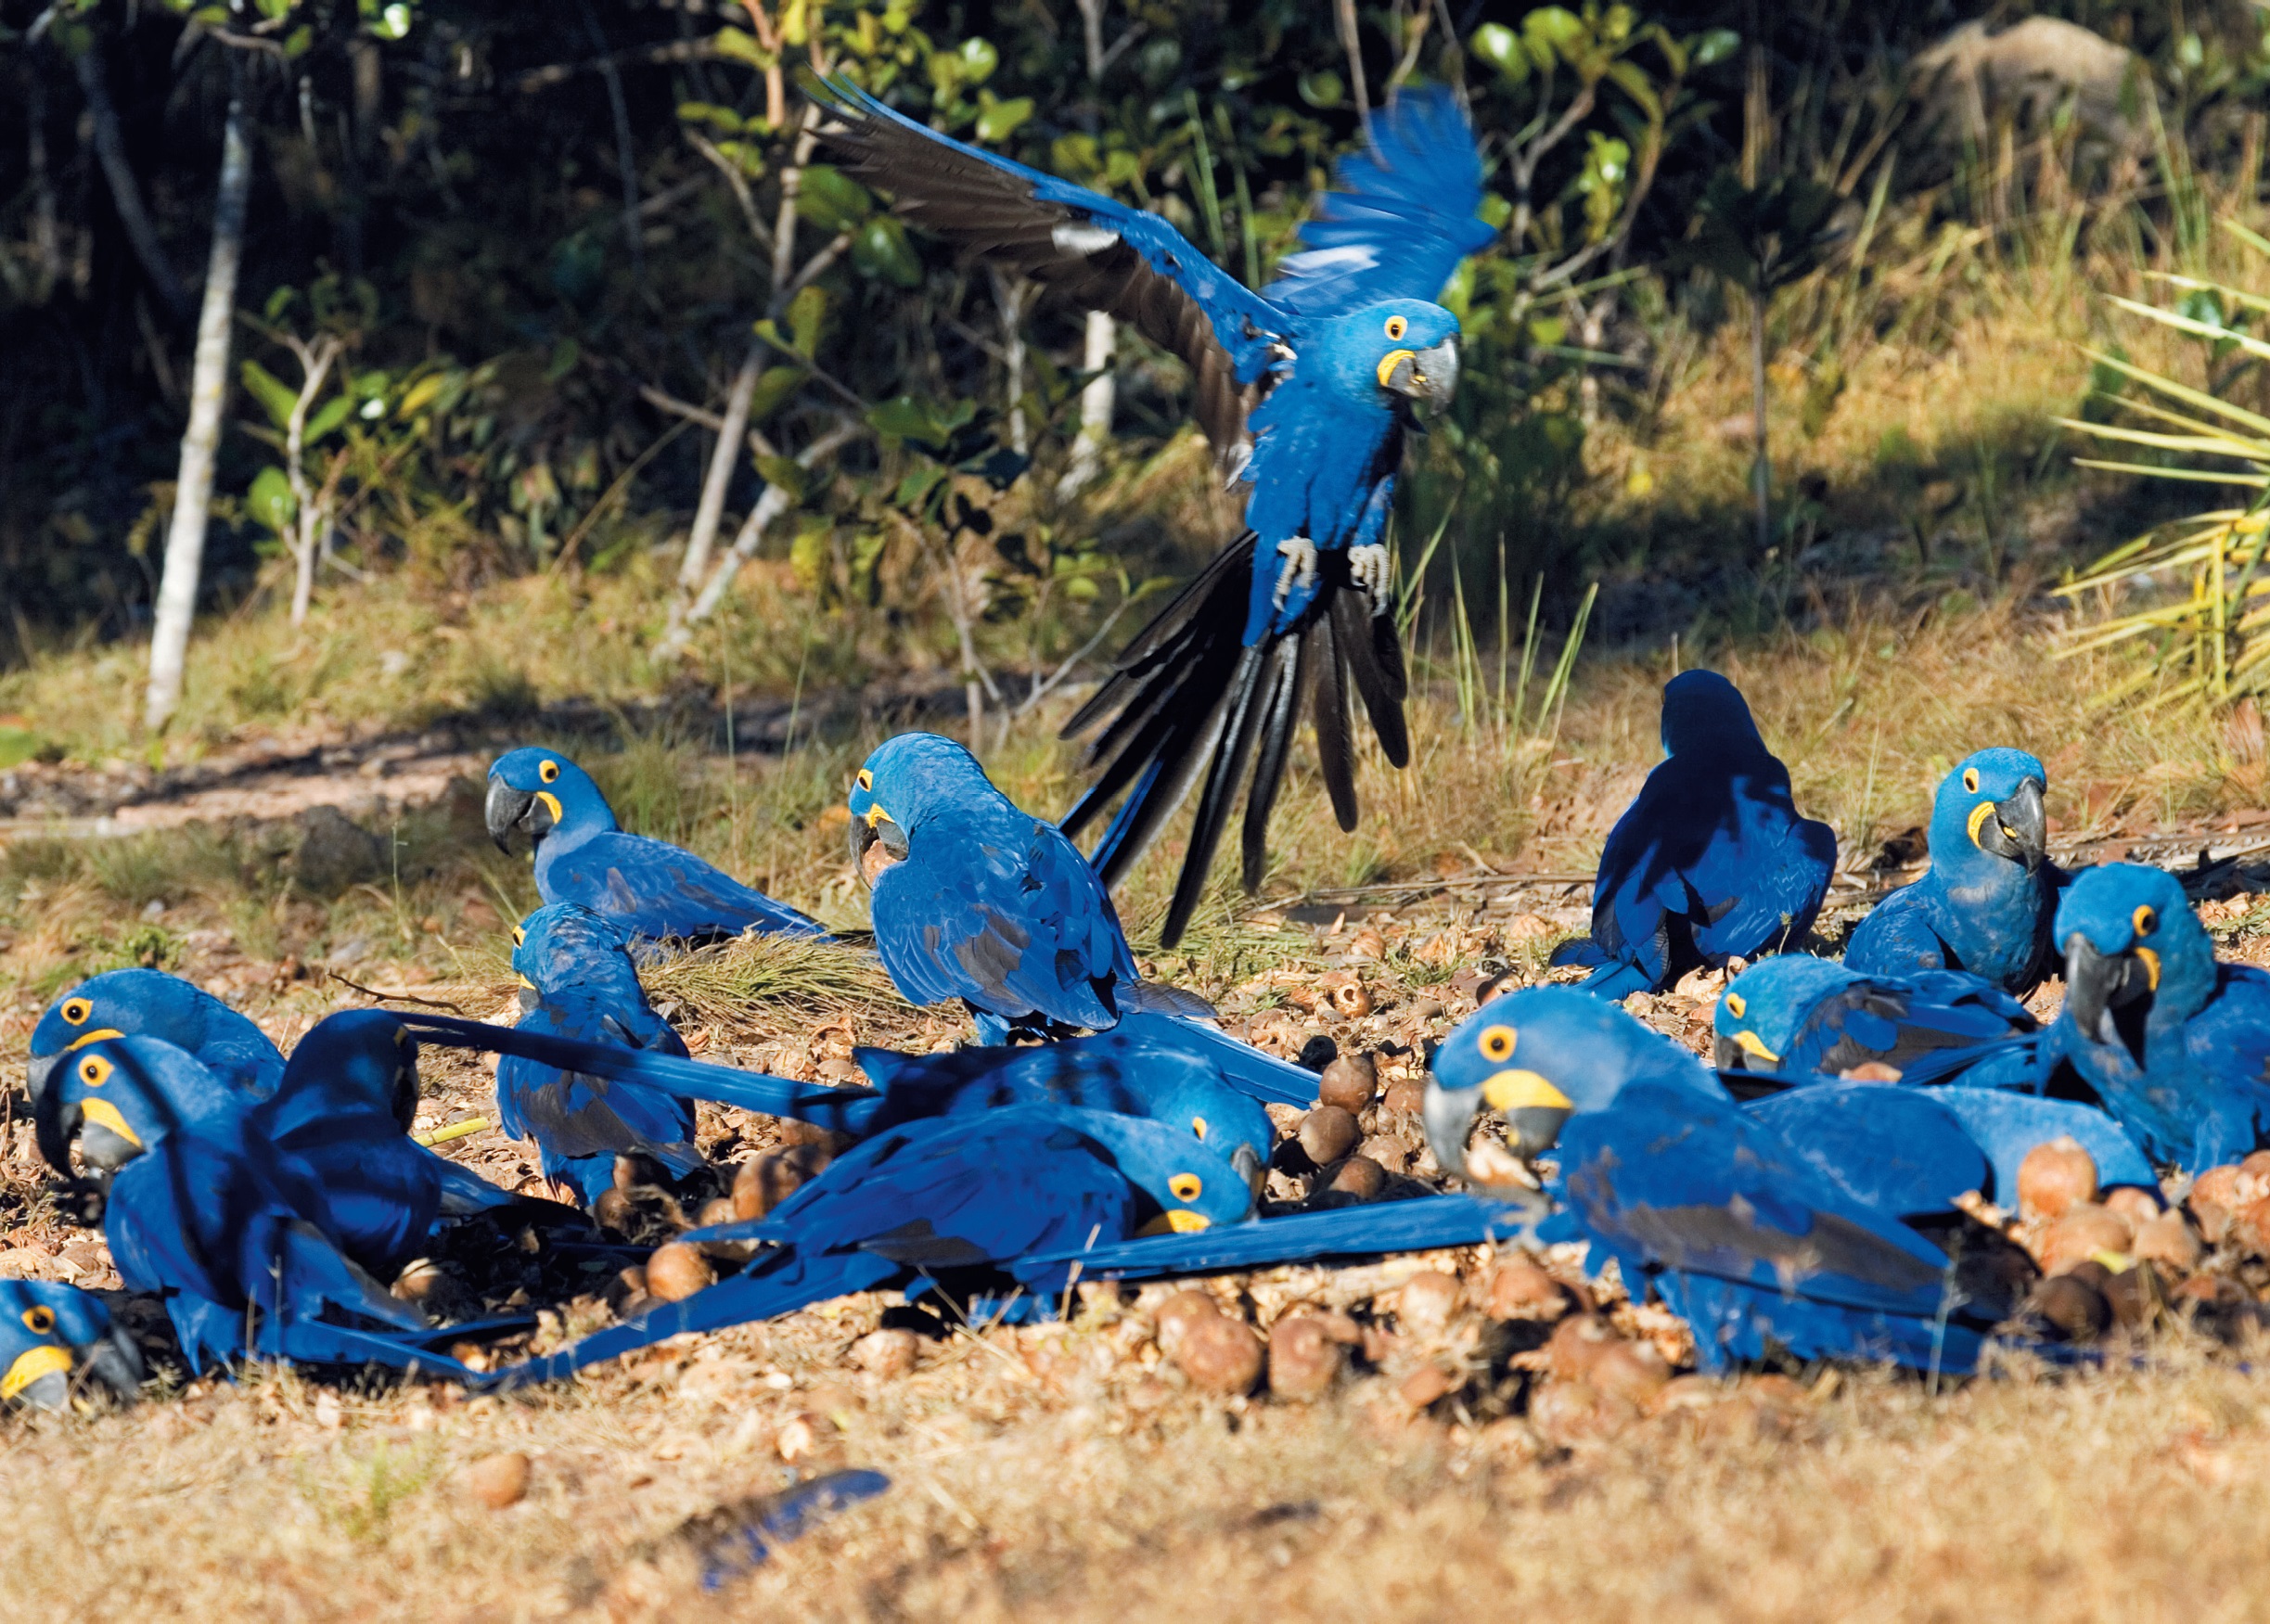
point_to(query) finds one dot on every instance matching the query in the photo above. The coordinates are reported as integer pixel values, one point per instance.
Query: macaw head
(564, 945)
(118, 1003)
(1192, 1186)
(1993, 801)
(1540, 1056)
(359, 1057)
(55, 1339)
(540, 790)
(1180, 1087)
(1404, 352)
(1703, 711)
(906, 782)
(119, 1098)
(2132, 946)
(1762, 1009)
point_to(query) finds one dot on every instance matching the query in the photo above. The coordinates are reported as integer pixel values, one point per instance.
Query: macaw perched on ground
(194, 1215)
(1784, 1224)
(2175, 1044)
(1711, 861)
(53, 1339)
(1305, 389)
(978, 900)
(955, 1197)
(654, 890)
(1801, 1017)
(577, 981)
(1986, 906)
(152, 1003)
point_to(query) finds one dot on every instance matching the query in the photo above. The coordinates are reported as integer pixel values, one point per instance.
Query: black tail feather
(1374, 660)
(1240, 726)
(1335, 750)
(1280, 716)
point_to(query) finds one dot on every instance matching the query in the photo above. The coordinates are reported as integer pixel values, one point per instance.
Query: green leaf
(997, 121)
(905, 417)
(1323, 88)
(420, 395)
(274, 396)
(1501, 47)
(1549, 27)
(881, 251)
(831, 200)
(978, 59)
(297, 42)
(740, 46)
(333, 413)
(784, 472)
(1714, 46)
(811, 557)
(724, 120)
(916, 488)
(18, 745)
(1627, 76)
(773, 390)
(806, 311)
(270, 500)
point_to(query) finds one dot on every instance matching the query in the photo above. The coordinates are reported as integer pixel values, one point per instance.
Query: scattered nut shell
(2054, 1178)
(1425, 1385)
(1304, 1358)
(1367, 943)
(1426, 1302)
(2085, 1230)
(2169, 1242)
(1519, 1290)
(886, 1353)
(2077, 1310)
(1406, 1095)
(2138, 1205)
(765, 1182)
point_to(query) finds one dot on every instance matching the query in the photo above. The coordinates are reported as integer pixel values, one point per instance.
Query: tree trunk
(184, 537)
(723, 461)
(125, 191)
(1096, 401)
(772, 502)
(311, 509)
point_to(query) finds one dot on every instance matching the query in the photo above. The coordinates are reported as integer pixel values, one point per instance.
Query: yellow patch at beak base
(1979, 815)
(2151, 966)
(93, 1037)
(1391, 359)
(31, 1364)
(104, 1112)
(551, 804)
(1175, 1221)
(1750, 1043)
(876, 815)
(1514, 1090)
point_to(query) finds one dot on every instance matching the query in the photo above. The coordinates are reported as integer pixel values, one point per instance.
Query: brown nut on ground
(498, 1480)
(1351, 999)
(1569, 1413)
(1352, 1081)
(2085, 1230)
(1219, 1355)
(676, 1270)
(1304, 1358)
(1519, 1290)
(1328, 1134)
(1576, 1343)
(2250, 1228)
(1425, 1385)
(1178, 1313)
(888, 1352)
(2169, 1242)
(716, 1210)
(628, 1285)
(1359, 1176)
(2134, 1296)
(2135, 1203)
(1425, 1302)
(1405, 1095)
(2054, 1178)
(765, 1181)
(1632, 1371)
(2077, 1310)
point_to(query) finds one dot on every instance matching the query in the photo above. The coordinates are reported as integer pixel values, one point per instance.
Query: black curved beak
(53, 1124)
(876, 843)
(1248, 1162)
(37, 1072)
(1429, 377)
(2097, 984)
(1535, 1128)
(508, 809)
(1447, 1115)
(2019, 829)
(115, 1363)
(1727, 1055)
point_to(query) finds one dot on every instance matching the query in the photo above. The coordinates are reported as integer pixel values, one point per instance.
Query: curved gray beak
(2097, 983)
(1447, 1115)
(2019, 829)
(876, 843)
(1248, 1162)
(1428, 377)
(116, 1362)
(37, 1072)
(508, 809)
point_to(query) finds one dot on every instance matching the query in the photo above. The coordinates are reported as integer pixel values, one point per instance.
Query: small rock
(2054, 1178)
(886, 1353)
(1425, 1385)
(335, 853)
(1425, 1302)
(498, 1480)
(2075, 1310)
(1405, 1094)
(1304, 1358)
(676, 1270)
(1328, 1132)
(1351, 1082)
(2085, 1230)
(1174, 1317)
(1519, 1290)
(1360, 1177)
(2169, 1242)
(1219, 1354)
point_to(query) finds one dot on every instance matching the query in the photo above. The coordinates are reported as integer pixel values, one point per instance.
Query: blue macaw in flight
(153, 1003)
(577, 981)
(55, 1340)
(1305, 389)
(2175, 1044)
(1986, 904)
(654, 890)
(1791, 1222)
(1801, 1017)
(1711, 861)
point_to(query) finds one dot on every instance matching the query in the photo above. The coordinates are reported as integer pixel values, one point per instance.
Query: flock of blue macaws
(1806, 1196)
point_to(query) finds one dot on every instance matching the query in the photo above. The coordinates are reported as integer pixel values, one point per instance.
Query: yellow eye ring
(1735, 1006)
(866, 779)
(549, 772)
(1497, 1043)
(2145, 919)
(1197, 1126)
(1970, 780)
(95, 1071)
(1186, 1187)
(520, 936)
(76, 1010)
(1397, 327)
(39, 1319)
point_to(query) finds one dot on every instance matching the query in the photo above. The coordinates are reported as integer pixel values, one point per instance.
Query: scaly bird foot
(1300, 569)
(1368, 566)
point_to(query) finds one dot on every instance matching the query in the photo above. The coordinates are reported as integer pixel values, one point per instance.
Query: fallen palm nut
(1304, 1358)
(1569, 1413)
(1425, 1385)
(793, 1132)
(2135, 1203)
(2169, 1242)
(1359, 1176)
(765, 1181)
(613, 1211)
(2084, 1231)
(676, 1270)
(1870, 1071)
(1425, 1302)
(2208, 1291)
(798, 1437)
(1178, 1313)
(1576, 1343)
(2218, 1184)
(1405, 1094)
(2134, 1296)
(1351, 999)
(2250, 1228)
(2054, 1178)
(1219, 1355)
(499, 1480)
(1633, 1371)
(716, 1210)
(1328, 1134)
(1367, 943)
(888, 1352)
(628, 1284)
(1519, 1290)
(1351, 1082)
(2076, 1311)
(419, 1279)
(2255, 1164)
(1489, 1162)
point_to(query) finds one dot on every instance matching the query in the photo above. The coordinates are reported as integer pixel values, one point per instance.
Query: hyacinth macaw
(1788, 1223)
(654, 890)
(1711, 861)
(1803, 1017)
(195, 1214)
(577, 981)
(953, 1197)
(152, 1003)
(1305, 390)
(55, 1340)
(976, 900)
(2175, 1044)
(1986, 906)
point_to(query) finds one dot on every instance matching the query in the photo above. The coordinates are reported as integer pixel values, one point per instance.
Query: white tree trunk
(185, 538)
(772, 502)
(1096, 401)
(723, 461)
(311, 511)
